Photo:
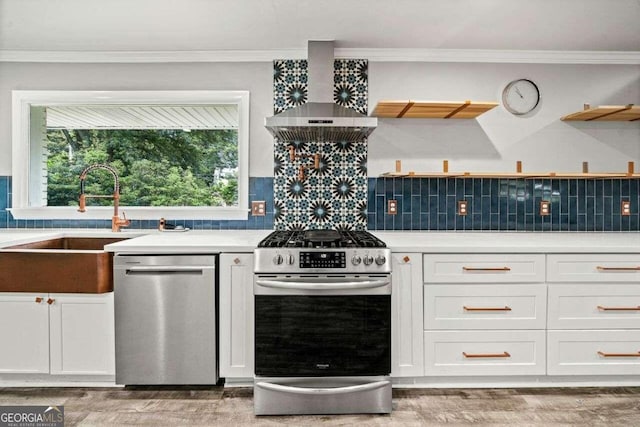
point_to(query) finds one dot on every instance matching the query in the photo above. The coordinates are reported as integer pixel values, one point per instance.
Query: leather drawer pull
(505, 308)
(486, 268)
(603, 354)
(601, 308)
(484, 355)
(601, 268)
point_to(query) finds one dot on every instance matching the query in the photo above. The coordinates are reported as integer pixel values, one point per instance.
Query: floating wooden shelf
(432, 109)
(606, 113)
(527, 175)
(630, 174)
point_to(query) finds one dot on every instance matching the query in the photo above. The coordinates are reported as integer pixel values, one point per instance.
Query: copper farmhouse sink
(63, 265)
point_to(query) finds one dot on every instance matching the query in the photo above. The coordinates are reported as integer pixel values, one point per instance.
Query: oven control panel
(319, 259)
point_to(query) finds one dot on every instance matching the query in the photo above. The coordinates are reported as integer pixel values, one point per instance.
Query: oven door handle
(323, 391)
(361, 284)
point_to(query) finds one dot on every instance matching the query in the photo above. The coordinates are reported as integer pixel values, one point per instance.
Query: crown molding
(373, 55)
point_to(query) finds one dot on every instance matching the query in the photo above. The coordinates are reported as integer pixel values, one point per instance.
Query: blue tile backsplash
(260, 188)
(503, 204)
(431, 204)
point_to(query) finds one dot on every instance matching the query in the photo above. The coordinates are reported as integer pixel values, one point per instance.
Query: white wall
(254, 77)
(493, 142)
(497, 139)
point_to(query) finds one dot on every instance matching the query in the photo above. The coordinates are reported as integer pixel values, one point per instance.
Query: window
(179, 154)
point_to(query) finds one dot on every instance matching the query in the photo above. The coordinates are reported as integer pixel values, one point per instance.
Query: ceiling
(190, 25)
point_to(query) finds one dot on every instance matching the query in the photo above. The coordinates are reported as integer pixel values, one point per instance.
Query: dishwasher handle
(169, 269)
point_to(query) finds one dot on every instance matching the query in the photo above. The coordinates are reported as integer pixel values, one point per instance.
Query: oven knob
(278, 259)
(380, 260)
(290, 259)
(356, 260)
(368, 260)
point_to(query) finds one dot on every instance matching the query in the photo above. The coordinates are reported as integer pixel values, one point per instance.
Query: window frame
(22, 100)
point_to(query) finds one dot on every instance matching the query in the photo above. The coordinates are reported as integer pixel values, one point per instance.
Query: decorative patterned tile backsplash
(503, 204)
(335, 195)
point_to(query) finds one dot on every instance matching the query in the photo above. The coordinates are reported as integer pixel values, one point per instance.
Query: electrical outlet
(545, 207)
(626, 208)
(392, 207)
(463, 207)
(258, 208)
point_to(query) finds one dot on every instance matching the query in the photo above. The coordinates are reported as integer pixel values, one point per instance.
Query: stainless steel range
(322, 323)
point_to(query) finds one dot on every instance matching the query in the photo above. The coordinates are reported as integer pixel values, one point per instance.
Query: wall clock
(521, 96)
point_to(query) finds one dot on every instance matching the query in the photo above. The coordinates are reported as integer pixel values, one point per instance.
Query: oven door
(313, 325)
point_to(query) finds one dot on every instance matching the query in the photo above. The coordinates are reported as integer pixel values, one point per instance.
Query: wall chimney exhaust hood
(320, 119)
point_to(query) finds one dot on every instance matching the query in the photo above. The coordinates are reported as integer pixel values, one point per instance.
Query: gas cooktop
(321, 239)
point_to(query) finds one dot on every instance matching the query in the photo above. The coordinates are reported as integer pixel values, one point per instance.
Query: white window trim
(21, 104)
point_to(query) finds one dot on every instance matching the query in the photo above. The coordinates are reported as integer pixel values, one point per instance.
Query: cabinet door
(24, 333)
(236, 315)
(82, 334)
(406, 315)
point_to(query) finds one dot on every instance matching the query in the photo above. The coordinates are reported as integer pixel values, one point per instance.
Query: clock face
(520, 96)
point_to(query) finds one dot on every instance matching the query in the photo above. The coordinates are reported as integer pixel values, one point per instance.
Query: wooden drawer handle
(505, 308)
(51, 301)
(601, 308)
(38, 300)
(485, 355)
(486, 268)
(406, 259)
(603, 354)
(601, 268)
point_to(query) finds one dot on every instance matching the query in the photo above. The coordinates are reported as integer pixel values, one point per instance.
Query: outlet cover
(463, 207)
(258, 208)
(545, 207)
(625, 208)
(392, 207)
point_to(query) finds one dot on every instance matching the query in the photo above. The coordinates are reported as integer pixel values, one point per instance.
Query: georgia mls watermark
(31, 416)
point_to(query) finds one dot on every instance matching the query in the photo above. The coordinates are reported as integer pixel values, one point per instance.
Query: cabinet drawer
(594, 268)
(484, 353)
(594, 306)
(484, 268)
(485, 306)
(594, 352)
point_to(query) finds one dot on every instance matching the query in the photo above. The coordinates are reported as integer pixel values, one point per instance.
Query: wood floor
(216, 406)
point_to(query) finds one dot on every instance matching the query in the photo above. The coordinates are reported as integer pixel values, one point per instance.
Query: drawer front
(485, 306)
(593, 352)
(594, 268)
(484, 268)
(458, 353)
(594, 306)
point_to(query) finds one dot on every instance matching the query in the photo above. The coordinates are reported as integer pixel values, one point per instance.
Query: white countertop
(216, 241)
(475, 242)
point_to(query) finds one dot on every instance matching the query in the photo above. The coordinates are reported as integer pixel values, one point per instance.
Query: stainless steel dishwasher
(165, 317)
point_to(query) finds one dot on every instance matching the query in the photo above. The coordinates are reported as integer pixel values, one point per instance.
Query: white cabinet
(484, 314)
(594, 314)
(460, 353)
(484, 268)
(81, 328)
(406, 315)
(24, 333)
(610, 352)
(473, 306)
(236, 315)
(61, 334)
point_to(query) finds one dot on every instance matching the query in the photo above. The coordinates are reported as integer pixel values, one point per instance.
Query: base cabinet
(24, 333)
(612, 352)
(58, 334)
(236, 315)
(406, 315)
(482, 353)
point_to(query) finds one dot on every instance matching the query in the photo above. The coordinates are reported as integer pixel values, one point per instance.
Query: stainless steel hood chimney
(320, 119)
